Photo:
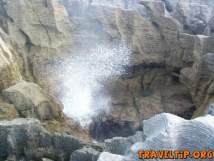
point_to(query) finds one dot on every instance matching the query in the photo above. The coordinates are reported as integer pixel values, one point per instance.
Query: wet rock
(25, 55)
(160, 124)
(105, 156)
(166, 131)
(210, 110)
(104, 127)
(85, 154)
(45, 159)
(121, 145)
(30, 101)
(170, 69)
(159, 52)
(27, 139)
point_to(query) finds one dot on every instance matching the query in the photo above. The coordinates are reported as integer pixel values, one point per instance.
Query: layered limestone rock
(169, 71)
(85, 154)
(121, 145)
(169, 132)
(39, 31)
(30, 101)
(31, 34)
(159, 51)
(198, 77)
(145, 28)
(7, 111)
(196, 17)
(26, 139)
(9, 69)
(166, 131)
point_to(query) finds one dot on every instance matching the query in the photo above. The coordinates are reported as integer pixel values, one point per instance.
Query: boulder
(85, 154)
(169, 132)
(7, 111)
(30, 101)
(121, 145)
(27, 139)
(177, 133)
(160, 124)
(105, 156)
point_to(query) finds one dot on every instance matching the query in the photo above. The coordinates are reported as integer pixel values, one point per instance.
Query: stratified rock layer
(30, 101)
(7, 111)
(85, 154)
(169, 132)
(9, 69)
(170, 70)
(196, 17)
(26, 139)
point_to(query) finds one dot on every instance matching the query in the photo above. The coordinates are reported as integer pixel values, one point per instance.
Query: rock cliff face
(38, 30)
(9, 70)
(195, 17)
(163, 59)
(31, 34)
(171, 69)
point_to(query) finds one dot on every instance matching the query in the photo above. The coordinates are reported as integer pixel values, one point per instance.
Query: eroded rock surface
(9, 69)
(85, 154)
(170, 70)
(31, 34)
(26, 139)
(7, 111)
(121, 145)
(167, 62)
(196, 17)
(30, 101)
(159, 52)
(23, 20)
(167, 131)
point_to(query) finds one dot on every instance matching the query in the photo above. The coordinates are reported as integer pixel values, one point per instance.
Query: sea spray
(81, 77)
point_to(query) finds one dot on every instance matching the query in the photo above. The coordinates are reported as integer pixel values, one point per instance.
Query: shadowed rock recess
(98, 80)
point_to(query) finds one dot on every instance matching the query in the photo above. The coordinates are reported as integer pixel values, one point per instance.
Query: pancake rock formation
(169, 132)
(141, 71)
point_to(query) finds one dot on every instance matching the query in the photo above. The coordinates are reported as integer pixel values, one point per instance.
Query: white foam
(81, 77)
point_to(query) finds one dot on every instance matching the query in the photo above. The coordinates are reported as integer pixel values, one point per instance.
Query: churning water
(81, 77)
